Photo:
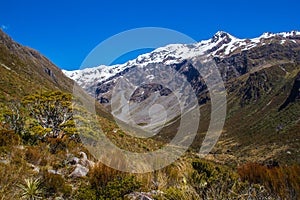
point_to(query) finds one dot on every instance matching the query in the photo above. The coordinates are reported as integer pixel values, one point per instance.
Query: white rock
(52, 171)
(79, 171)
(4, 162)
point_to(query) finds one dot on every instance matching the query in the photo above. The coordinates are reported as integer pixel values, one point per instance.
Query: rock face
(256, 85)
(174, 69)
(294, 94)
(234, 57)
(147, 90)
(259, 76)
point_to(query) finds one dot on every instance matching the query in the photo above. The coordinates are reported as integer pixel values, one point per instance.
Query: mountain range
(261, 76)
(222, 45)
(256, 156)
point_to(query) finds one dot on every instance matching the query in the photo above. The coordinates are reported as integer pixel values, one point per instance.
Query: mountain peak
(221, 45)
(221, 35)
(290, 34)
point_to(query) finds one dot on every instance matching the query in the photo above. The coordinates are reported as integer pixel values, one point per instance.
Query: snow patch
(220, 45)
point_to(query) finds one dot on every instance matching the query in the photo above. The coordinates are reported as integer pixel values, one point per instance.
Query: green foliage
(52, 111)
(40, 116)
(85, 192)
(119, 187)
(55, 184)
(207, 174)
(212, 181)
(113, 189)
(110, 183)
(180, 193)
(13, 117)
(8, 138)
(31, 189)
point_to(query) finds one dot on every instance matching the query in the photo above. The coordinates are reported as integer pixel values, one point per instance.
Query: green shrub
(212, 181)
(9, 138)
(85, 192)
(31, 189)
(55, 184)
(182, 193)
(119, 187)
(110, 183)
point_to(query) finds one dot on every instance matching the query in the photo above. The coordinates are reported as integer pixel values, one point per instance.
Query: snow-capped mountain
(169, 76)
(220, 45)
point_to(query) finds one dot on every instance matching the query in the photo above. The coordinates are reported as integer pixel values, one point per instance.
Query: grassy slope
(27, 75)
(24, 71)
(255, 130)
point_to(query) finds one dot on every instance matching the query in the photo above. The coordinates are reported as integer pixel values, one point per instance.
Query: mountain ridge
(258, 75)
(258, 81)
(175, 53)
(27, 70)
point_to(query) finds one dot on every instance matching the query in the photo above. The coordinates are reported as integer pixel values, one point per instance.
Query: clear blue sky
(66, 31)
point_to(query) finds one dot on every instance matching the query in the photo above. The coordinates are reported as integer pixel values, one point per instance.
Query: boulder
(79, 171)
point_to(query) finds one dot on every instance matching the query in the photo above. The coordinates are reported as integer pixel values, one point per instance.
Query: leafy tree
(52, 113)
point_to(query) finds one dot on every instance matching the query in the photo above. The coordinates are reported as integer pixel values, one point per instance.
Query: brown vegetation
(283, 181)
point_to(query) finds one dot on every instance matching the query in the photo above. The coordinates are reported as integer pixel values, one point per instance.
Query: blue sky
(66, 31)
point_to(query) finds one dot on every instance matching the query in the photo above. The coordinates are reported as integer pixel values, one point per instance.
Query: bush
(212, 181)
(85, 192)
(31, 189)
(52, 111)
(9, 138)
(110, 183)
(33, 155)
(182, 193)
(56, 145)
(280, 181)
(119, 187)
(55, 184)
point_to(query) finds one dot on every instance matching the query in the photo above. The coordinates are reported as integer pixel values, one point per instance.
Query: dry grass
(13, 173)
(281, 181)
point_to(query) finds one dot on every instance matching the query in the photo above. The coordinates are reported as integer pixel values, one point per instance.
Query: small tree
(52, 111)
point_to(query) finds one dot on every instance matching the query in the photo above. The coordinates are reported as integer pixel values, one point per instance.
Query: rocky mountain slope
(41, 156)
(261, 81)
(222, 45)
(27, 73)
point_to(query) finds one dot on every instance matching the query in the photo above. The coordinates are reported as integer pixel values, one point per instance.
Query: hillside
(260, 77)
(24, 70)
(47, 135)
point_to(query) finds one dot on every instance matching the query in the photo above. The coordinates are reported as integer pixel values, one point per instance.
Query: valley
(51, 120)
